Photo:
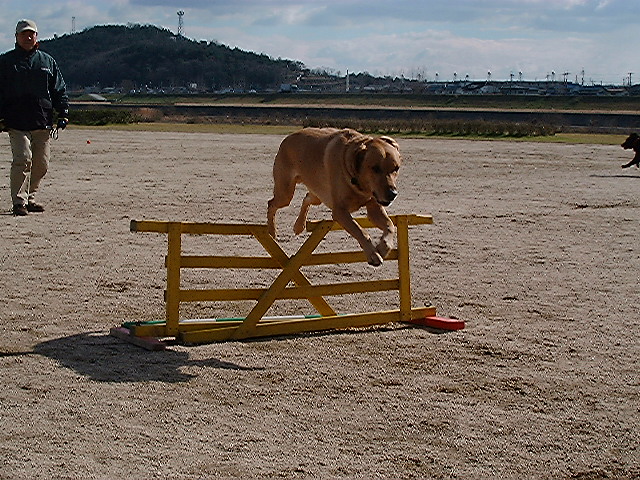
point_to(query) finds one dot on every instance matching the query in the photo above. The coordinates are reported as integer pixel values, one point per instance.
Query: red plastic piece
(440, 322)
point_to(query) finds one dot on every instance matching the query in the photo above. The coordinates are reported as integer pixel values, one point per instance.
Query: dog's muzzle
(389, 198)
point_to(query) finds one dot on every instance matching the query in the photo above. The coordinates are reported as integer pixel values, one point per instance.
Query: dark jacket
(31, 87)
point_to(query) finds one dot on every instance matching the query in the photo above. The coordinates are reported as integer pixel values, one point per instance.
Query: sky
(590, 41)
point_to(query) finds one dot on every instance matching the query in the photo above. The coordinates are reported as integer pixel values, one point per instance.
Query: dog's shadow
(106, 359)
(616, 175)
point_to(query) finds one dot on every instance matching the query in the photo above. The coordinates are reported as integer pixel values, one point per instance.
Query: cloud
(465, 36)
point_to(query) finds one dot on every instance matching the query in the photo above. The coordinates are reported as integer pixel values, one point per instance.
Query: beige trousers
(31, 151)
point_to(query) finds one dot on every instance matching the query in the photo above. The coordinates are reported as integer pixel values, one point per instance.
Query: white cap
(24, 25)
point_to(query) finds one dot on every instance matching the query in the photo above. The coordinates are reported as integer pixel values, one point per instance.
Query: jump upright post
(256, 324)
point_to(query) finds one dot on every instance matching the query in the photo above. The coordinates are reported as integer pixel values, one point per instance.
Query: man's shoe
(35, 207)
(20, 210)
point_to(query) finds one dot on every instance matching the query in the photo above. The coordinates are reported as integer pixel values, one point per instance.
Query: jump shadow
(106, 359)
(352, 332)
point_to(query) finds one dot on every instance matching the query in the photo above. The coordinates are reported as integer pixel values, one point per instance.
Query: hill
(145, 56)
(148, 59)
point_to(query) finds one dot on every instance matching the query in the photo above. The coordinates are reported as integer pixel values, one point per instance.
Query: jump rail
(255, 324)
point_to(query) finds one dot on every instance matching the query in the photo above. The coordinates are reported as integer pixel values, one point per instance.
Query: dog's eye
(376, 169)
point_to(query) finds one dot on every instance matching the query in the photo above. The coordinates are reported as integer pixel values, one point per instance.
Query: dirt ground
(533, 245)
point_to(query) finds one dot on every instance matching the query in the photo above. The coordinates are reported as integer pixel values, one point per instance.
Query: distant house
(592, 90)
(288, 88)
(489, 89)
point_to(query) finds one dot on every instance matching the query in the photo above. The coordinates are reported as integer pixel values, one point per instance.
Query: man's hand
(62, 123)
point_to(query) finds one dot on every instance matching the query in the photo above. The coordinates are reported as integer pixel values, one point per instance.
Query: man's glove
(3, 127)
(62, 123)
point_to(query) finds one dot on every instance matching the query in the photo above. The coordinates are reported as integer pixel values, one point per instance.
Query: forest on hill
(148, 57)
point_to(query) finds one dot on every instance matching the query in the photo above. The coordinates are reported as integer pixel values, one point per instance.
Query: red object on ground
(440, 322)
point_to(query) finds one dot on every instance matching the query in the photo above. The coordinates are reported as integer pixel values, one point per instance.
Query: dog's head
(632, 141)
(374, 168)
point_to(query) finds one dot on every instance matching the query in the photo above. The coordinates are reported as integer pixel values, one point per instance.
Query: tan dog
(346, 171)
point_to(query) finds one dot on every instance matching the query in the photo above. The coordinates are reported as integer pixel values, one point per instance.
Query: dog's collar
(356, 183)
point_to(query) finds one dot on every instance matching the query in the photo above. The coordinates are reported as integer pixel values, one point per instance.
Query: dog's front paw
(374, 259)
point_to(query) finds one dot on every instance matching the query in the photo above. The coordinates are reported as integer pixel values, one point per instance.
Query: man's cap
(24, 25)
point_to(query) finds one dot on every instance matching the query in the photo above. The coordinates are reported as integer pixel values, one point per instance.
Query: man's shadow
(106, 359)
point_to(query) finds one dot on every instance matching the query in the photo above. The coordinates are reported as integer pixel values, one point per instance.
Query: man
(31, 87)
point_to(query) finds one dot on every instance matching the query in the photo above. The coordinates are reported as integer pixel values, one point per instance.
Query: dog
(632, 142)
(344, 170)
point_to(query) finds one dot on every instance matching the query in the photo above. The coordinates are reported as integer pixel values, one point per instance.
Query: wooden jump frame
(255, 324)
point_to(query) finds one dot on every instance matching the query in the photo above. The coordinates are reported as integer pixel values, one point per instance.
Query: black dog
(633, 141)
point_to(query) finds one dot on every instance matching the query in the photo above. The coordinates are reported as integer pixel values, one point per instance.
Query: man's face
(27, 39)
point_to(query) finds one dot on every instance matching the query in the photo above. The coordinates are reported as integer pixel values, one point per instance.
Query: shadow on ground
(106, 359)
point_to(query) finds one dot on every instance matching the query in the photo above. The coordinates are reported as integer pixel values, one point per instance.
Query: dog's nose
(391, 195)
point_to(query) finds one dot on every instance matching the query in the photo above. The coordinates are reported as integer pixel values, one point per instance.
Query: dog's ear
(359, 156)
(354, 157)
(391, 142)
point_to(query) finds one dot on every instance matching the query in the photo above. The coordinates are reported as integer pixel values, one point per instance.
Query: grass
(502, 102)
(588, 138)
(229, 128)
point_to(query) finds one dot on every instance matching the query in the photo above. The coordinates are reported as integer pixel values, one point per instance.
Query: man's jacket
(31, 87)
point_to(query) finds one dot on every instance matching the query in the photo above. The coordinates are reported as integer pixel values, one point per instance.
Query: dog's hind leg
(284, 187)
(309, 199)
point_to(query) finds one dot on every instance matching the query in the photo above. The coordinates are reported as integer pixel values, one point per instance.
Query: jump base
(148, 343)
(256, 323)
